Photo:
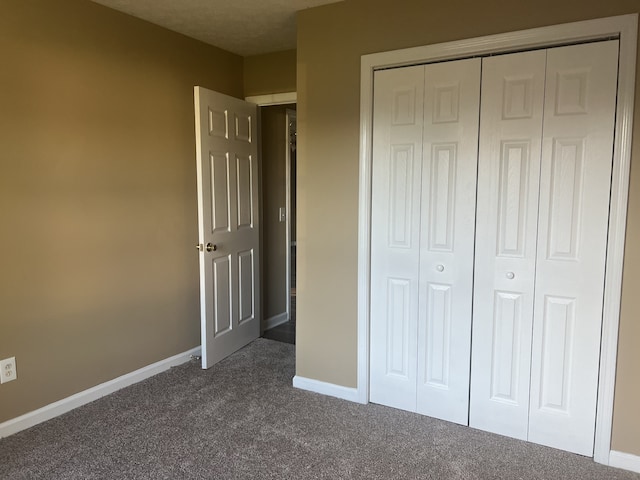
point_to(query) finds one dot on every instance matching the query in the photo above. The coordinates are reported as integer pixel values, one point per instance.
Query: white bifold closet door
(507, 222)
(545, 159)
(422, 236)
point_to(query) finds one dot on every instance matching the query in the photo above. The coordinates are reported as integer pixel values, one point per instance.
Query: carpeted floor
(243, 419)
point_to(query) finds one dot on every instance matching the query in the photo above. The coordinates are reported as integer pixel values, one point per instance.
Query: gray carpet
(242, 419)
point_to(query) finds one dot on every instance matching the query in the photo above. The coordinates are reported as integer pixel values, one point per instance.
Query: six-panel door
(228, 218)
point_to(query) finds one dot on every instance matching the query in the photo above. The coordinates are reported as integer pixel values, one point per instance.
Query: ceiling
(244, 27)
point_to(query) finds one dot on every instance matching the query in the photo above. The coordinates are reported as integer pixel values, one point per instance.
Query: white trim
(625, 461)
(273, 99)
(325, 388)
(364, 226)
(624, 27)
(628, 27)
(65, 405)
(276, 320)
(290, 115)
(260, 208)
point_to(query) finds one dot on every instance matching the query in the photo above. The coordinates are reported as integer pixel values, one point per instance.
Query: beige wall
(274, 193)
(99, 274)
(270, 73)
(331, 40)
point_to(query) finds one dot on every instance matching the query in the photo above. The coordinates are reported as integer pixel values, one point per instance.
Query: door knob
(440, 268)
(211, 248)
(511, 275)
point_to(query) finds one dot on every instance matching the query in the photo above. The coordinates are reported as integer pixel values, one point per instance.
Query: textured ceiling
(244, 27)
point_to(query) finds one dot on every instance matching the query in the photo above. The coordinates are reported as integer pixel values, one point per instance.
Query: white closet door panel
(572, 239)
(449, 172)
(395, 235)
(506, 225)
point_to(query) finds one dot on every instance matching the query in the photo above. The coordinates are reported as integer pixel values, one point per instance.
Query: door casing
(289, 117)
(624, 28)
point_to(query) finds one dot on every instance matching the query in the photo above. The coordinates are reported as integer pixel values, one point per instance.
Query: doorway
(278, 153)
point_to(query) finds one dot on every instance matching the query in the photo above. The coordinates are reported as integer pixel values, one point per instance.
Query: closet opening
(559, 221)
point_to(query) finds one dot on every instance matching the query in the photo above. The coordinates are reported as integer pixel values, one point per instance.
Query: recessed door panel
(438, 353)
(513, 198)
(446, 101)
(444, 159)
(246, 272)
(518, 96)
(505, 355)
(219, 191)
(398, 324)
(558, 336)
(565, 198)
(218, 123)
(401, 193)
(403, 106)
(243, 127)
(222, 299)
(244, 176)
(571, 91)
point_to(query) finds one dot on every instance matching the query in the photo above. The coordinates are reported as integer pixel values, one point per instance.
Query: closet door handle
(511, 275)
(440, 268)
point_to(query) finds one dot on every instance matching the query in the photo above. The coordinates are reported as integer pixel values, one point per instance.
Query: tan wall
(331, 40)
(270, 73)
(274, 194)
(99, 274)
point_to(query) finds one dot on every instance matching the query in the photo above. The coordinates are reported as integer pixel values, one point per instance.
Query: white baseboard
(276, 320)
(55, 409)
(331, 389)
(626, 461)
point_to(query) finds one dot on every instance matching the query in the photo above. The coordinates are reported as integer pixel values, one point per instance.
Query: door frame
(289, 116)
(624, 28)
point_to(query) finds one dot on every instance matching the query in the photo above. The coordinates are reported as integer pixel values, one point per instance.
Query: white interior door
(424, 178)
(228, 223)
(449, 172)
(577, 152)
(395, 235)
(507, 217)
(543, 206)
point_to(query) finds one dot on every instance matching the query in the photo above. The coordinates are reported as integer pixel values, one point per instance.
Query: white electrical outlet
(8, 370)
